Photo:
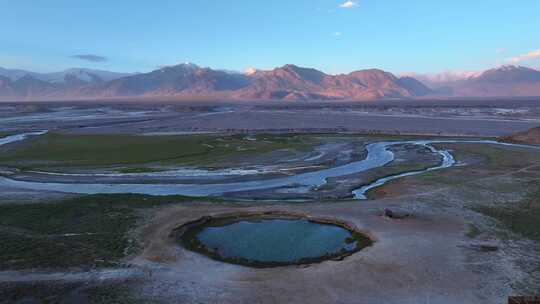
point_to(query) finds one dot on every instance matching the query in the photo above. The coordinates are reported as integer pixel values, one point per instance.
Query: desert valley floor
(96, 201)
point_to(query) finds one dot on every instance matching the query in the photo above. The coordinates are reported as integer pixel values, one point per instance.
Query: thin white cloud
(348, 4)
(526, 57)
(337, 34)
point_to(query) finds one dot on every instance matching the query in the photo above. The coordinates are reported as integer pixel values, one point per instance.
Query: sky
(335, 36)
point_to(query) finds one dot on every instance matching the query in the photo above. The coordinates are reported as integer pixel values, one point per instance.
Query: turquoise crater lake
(262, 241)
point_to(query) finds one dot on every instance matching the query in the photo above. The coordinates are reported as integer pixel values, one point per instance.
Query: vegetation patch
(90, 231)
(133, 170)
(502, 157)
(79, 292)
(391, 170)
(5, 134)
(67, 150)
(416, 161)
(473, 231)
(480, 161)
(521, 218)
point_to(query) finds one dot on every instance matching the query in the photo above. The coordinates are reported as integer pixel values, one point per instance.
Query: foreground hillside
(531, 137)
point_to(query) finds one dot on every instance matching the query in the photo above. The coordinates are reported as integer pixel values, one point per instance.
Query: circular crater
(271, 239)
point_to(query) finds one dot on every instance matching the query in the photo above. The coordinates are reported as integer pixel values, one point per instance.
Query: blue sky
(335, 36)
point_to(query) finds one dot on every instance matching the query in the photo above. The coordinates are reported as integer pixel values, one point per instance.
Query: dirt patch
(531, 137)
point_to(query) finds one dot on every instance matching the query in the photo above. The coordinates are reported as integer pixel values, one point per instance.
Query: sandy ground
(317, 121)
(426, 258)
(454, 117)
(422, 259)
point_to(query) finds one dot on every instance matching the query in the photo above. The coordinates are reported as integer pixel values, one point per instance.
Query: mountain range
(288, 82)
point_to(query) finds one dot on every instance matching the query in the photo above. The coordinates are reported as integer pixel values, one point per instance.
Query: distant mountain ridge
(505, 81)
(168, 81)
(289, 82)
(81, 74)
(21, 84)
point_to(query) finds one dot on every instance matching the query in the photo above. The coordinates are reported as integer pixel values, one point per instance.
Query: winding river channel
(378, 155)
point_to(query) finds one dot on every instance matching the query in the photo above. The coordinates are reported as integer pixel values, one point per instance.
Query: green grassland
(77, 292)
(90, 231)
(5, 134)
(390, 170)
(63, 150)
(522, 218)
(482, 160)
(476, 163)
(138, 170)
(491, 170)
(500, 157)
